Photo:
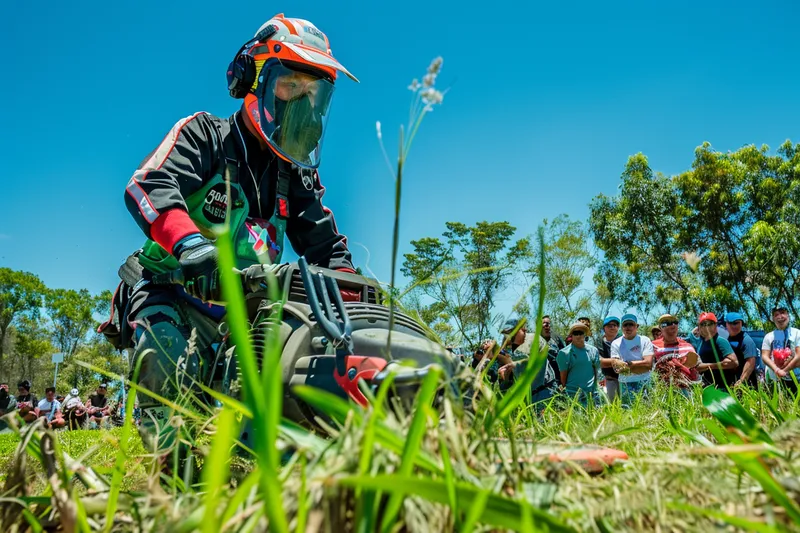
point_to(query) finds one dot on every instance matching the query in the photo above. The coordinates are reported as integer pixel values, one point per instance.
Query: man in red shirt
(675, 359)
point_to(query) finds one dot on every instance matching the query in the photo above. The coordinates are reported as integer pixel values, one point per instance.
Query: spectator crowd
(621, 363)
(58, 412)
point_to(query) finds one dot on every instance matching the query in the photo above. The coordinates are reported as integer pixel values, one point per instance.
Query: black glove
(200, 266)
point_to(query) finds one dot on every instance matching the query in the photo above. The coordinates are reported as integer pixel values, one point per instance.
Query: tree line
(37, 321)
(721, 236)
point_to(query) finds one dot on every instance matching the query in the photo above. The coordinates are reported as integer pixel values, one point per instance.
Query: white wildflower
(431, 96)
(435, 66)
(428, 80)
(414, 85)
(378, 128)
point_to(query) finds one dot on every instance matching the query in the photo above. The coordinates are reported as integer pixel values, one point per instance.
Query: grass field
(686, 472)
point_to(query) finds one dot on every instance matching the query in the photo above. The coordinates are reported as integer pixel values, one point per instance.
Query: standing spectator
(97, 405)
(780, 350)
(719, 363)
(74, 410)
(579, 365)
(675, 359)
(554, 342)
(610, 334)
(50, 409)
(588, 323)
(634, 355)
(747, 353)
(26, 402)
(656, 333)
(518, 353)
(7, 403)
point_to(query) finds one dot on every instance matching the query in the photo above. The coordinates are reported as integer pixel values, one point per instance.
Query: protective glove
(348, 295)
(200, 266)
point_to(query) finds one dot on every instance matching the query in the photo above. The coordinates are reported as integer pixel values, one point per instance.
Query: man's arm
(311, 227)
(729, 362)
(178, 167)
(563, 376)
(747, 369)
(642, 366)
(766, 357)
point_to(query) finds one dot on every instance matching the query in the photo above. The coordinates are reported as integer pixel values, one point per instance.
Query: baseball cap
(511, 323)
(629, 317)
(103, 385)
(733, 317)
(706, 316)
(73, 392)
(610, 318)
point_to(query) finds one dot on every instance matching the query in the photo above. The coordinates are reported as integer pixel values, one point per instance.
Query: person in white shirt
(50, 409)
(632, 358)
(74, 410)
(780, 350)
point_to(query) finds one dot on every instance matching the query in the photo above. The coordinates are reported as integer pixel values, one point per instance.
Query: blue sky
(546, 103)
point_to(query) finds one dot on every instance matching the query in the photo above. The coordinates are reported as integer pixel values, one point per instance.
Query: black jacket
(191, 154)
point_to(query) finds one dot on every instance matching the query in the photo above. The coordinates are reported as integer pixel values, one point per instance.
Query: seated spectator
(780, 350)
(632, 358)
(97, 406)
(50, 409)
(610, 334)
(26, 402)
(74, 410)
(747, 353)
(675, 359)
(718, 362)
(579, 365)
(7, 403)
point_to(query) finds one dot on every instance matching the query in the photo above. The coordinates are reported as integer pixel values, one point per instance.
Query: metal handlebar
(339, 332)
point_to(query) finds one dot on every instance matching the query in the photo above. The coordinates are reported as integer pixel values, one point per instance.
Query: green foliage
(567, 260)
(21, 296)
(72, 315)
(456, 279)
(721, 236)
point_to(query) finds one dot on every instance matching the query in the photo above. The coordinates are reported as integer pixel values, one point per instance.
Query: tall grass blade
(500, 511)
(264, 405)
(730, 413)
(413, 441)
(521, 389)
(217, 467)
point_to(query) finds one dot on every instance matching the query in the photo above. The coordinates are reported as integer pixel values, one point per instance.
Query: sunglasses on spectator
(578, 333)
(667, 324)
(707, 324)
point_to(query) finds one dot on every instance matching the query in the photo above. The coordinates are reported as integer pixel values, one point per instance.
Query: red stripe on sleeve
(172, 226)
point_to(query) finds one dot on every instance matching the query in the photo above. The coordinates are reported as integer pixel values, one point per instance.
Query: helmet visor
(293, 106)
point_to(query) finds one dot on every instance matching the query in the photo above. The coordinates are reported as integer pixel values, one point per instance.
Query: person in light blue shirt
(579, 365)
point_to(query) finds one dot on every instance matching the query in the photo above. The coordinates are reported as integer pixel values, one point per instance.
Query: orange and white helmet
(289, 100)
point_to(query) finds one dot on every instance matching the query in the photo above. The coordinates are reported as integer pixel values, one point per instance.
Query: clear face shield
(293, 105)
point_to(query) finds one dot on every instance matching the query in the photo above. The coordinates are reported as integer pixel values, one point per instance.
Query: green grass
(96, 449)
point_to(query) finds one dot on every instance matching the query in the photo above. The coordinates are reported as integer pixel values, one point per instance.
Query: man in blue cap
(745, 349)
(610, 334)
(632, 358)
